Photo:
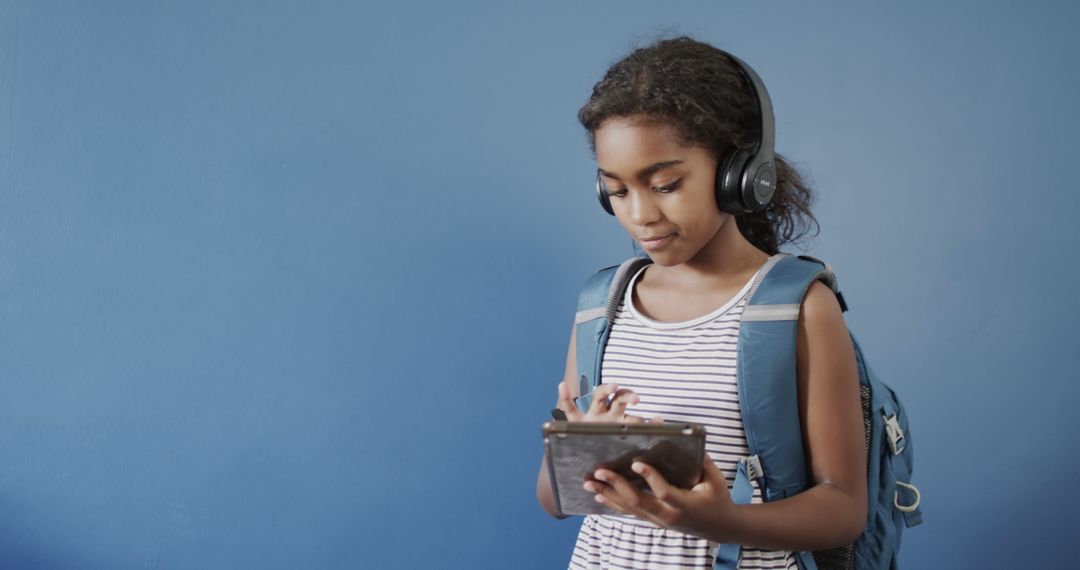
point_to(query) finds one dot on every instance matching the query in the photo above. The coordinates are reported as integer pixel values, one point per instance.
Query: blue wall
(289, 284)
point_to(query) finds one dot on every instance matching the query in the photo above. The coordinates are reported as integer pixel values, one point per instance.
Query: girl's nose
(643, 210)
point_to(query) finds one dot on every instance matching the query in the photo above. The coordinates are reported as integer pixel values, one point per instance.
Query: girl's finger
(661, 489)
(610, 495)
(600, 397)
(564, 397)
(567, 404)
(631, 499)
(619, 401)
(627, 494)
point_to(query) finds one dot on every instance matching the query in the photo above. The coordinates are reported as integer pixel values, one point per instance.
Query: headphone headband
(748, 180)
(768, 126)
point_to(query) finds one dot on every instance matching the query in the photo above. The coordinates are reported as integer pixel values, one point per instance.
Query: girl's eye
(661, 189)
(669, 188)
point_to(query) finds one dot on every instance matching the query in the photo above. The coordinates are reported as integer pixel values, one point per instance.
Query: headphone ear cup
(602, 195)
(729, 196)
(762, 187)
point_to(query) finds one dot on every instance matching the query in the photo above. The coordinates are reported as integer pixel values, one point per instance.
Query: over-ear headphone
(746, 180)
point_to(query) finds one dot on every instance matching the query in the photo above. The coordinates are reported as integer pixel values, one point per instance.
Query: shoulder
(820, 305)
(825, 355)
(824, 349)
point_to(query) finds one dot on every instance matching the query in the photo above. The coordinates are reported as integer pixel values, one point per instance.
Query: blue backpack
(767, 399)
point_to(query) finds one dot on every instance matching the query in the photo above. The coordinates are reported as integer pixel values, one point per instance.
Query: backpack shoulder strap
(768, 398)
(767, 371)
(597, 304)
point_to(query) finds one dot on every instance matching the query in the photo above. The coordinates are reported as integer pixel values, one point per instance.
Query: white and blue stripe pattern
(683, 372)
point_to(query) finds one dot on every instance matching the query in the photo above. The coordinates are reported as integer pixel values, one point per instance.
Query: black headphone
(746, 181)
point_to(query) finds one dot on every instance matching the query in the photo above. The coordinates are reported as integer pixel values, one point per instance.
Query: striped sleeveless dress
(682, 371)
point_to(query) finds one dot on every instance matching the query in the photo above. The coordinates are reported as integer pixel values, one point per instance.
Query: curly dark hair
(698, 89)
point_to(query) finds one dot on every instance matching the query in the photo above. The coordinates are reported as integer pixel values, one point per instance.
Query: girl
(661, 122)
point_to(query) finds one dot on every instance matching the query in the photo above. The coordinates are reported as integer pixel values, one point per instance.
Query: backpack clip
(753, 467)
(896, 435)
(914, 491)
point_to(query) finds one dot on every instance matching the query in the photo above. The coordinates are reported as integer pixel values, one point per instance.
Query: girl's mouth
(655, 243)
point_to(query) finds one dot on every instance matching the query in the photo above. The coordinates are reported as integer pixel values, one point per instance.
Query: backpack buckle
(896, 435)
(753, 467)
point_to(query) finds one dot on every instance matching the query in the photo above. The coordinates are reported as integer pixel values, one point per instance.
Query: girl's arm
(833, 511)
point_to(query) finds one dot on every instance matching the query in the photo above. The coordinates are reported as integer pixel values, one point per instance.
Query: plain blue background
(289, 284)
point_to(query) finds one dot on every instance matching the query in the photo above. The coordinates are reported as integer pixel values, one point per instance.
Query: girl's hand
(608, 405)
(706, 510)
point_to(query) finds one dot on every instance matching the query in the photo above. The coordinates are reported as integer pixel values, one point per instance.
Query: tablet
(575, 450)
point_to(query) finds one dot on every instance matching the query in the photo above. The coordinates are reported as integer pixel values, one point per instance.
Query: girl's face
(661, 191)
